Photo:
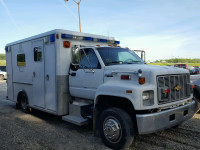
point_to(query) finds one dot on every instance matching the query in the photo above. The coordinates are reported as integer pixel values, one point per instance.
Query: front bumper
(149, 123)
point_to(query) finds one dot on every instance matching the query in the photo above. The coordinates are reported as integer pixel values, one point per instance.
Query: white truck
(89, 78)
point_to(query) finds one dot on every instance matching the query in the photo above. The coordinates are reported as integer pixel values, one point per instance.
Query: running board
(79, 113)
(75, 120)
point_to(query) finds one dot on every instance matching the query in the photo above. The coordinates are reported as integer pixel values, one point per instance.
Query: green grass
(2, 62)
(164, 64)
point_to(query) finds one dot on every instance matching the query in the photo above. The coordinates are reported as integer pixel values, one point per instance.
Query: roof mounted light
(67, 36)
(6, 48)
(103, 40)
(117, 42)
(88, 38)
(52, 38)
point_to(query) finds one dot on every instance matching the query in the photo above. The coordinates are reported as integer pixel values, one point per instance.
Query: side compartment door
(38, 73)
(9, 75)
(50, 77)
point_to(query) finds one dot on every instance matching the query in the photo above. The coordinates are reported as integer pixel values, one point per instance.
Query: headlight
(148, 98)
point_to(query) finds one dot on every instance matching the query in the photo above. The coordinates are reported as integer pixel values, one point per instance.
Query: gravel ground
(39, 130)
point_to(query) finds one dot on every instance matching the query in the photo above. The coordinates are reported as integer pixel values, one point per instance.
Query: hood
(155, 70)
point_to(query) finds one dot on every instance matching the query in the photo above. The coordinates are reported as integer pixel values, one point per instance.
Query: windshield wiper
(115, 62)
(132, 62)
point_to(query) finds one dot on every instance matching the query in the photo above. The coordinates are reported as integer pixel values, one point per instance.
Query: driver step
(75, 120)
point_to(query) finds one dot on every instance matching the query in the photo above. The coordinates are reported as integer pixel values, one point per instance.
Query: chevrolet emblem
(177, 88)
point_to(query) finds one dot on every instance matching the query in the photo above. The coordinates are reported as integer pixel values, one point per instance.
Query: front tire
(116, 128)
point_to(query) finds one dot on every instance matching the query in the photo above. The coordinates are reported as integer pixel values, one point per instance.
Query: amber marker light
(57, 36)
(128, 91)
(141, 80)
(66, 44)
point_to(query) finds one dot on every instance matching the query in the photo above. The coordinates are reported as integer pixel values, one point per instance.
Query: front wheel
(116, 128)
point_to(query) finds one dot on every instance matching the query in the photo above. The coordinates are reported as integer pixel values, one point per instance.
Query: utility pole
(78, 3)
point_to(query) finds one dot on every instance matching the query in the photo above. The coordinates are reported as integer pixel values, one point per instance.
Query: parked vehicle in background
(88, 78)
(194, 71)
(196, 67)
(184, 66)
(3, 74)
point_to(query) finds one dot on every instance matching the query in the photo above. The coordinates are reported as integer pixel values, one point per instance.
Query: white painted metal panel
(9, 75)
(38, 76)
(50, 77)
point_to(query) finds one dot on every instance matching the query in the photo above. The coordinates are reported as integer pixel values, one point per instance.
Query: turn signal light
(125, 77)
(141, 80)
(66, 44)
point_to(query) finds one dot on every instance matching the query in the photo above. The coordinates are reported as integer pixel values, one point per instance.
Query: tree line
(2, 57)
(179, 60)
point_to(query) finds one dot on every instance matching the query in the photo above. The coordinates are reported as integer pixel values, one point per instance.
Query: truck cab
(119, 82)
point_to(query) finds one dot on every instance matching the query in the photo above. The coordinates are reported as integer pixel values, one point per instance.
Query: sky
(163, 28)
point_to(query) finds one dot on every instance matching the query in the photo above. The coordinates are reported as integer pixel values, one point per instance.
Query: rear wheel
(24, 102)
(1, 77)
(116, 128)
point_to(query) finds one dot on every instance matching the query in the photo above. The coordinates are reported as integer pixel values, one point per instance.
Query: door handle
(34, 74)
(47, 77)
(73, 74)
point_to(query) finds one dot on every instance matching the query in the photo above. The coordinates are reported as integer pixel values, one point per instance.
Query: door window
(37, 54)
(88, 59)
(21, 60)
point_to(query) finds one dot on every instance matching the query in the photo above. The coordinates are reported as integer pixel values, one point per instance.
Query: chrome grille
(171, 82)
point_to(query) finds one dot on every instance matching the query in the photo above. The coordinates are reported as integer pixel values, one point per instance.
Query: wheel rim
(112, 129)
(23, 102)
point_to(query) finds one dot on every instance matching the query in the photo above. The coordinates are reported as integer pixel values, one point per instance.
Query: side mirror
(74, 67)
(75, 56)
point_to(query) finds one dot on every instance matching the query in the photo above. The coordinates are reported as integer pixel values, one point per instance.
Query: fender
(119, 90)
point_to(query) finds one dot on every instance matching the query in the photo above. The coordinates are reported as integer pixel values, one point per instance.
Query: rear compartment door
(38, 73)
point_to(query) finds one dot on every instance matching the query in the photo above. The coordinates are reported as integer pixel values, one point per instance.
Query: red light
(193, 86)
(125, 77)
(167, 90)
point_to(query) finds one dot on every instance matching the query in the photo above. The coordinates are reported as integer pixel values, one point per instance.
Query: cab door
(38, 73)
(85, 81)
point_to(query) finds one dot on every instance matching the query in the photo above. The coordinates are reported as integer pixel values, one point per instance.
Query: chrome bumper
(149, 123)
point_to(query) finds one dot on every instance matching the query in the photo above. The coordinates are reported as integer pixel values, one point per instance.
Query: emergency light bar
(70, 36)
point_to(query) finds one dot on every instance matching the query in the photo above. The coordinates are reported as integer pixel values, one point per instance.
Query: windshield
(116, 56)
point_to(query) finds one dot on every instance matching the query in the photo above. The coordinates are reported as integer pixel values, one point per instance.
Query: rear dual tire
(23, 103)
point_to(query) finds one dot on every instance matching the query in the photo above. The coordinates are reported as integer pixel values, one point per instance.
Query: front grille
(178, 85)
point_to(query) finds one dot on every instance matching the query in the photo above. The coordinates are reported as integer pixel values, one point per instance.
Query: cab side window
(88, 59)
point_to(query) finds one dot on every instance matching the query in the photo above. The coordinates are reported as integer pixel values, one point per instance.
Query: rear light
(125, 77)
(98, 45)
(193, 86)
(141, 80)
